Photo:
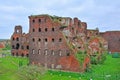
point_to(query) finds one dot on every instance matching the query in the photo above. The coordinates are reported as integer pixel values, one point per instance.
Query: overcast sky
(104, 14)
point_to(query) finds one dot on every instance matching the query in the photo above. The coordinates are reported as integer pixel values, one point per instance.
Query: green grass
(9, 66)
(109, 70)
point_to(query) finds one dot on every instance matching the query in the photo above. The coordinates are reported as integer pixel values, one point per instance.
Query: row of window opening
(46, 40)
(46, 29)
(52, 52)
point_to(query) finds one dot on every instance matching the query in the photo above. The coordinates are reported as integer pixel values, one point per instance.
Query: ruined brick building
(54, 41)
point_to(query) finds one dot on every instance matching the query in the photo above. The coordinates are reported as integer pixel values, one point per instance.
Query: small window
(39, 39)
(39, 29)
(27, 47)
(68, 54)
(17, 39)
(22, 47)
(13, 46)
(45, 29)
(60, 52)
(52, 52)
(53, 29)
(13, 38)
(39, 20)
(45, 39)
(39, 51)
(33, 20)
(33, 30)
(46, 52)
(16, 54)
(22, 55)
(17, 46)
(33, 40)
(13, 54)
(33, 51)
(60, 40)
(17, 31)
(53, 40)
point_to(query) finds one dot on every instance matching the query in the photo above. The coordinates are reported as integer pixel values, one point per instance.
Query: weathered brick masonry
(54, 41)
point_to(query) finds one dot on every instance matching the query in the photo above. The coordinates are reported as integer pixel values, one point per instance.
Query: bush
(93, 60)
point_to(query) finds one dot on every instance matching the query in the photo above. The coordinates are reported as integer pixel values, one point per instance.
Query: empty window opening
(39, 39)
(39, 51)
(13, 47)
(45, 29)
(33, 20)
(27, 47)
(68, 54)
(33, 40)
(53, 39)
(46, 40)
(53, 29)
(33, 51)
(16, 54)
(52, 52)
(88, 37)
(39, 20)
(60, 40)
(22, 55)
(22, 47)
(33, 30)
(17, 46)
(18, 31)
(13, 38)
(46, 52)
(13, 54)
(60, 52)
(52, 66)
(17, 39)
(39, 29)
(79, 47)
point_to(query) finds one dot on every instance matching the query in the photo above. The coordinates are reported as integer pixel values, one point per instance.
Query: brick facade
(53, 41)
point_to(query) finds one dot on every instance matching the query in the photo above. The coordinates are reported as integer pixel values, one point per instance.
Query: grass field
(110, 70)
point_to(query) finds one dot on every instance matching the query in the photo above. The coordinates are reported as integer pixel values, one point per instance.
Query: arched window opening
(18, 31)
(17, 46)
(39, 20)
(13, 39)
(53, 29)
(46, 30)
(33, 30)
(52, 52)
(39, 30)
(68, 54)
(46, 52)
(60, 52)
(13, 47)
(33, 21)
(39, 39)
(60, 40)
(53, 39)
(39, 51)
(22, 55)
(17, 39)
(27, 47)
(33, 51)
(13, 54)
(16, 54)
(46, 40)
(22, 47)
(33, 40)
